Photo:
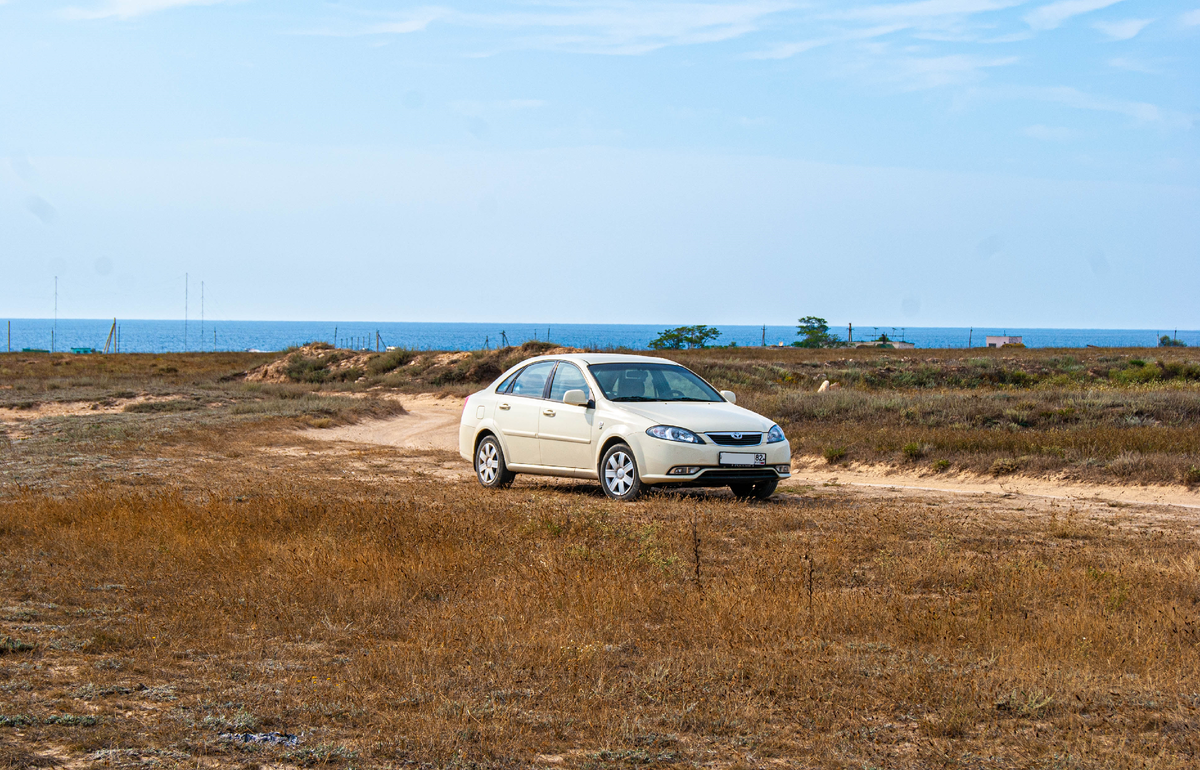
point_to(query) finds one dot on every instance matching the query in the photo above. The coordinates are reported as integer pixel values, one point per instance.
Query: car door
(565, 430)
(518, 411)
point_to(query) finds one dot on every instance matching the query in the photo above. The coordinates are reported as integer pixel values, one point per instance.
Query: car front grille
(735, 439)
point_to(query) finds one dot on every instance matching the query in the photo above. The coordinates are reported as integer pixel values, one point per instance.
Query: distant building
(999, 342)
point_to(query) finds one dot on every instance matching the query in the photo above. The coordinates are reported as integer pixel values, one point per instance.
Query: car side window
(532, 379)
(567, 377)
(508, 381)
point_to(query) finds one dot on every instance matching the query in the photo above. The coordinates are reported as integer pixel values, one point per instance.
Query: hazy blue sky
(940, 162)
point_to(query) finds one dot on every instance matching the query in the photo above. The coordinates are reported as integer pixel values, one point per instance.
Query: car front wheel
(490, 468)
(619, 474)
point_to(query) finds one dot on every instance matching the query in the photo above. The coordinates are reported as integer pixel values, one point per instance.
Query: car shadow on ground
(591, 489)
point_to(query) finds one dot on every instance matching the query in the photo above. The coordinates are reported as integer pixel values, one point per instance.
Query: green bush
(835, 454)
(390, 361)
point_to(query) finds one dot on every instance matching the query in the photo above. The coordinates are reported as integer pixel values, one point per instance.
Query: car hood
(696, 416)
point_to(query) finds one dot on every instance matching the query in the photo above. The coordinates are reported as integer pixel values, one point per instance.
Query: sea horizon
(169, 336)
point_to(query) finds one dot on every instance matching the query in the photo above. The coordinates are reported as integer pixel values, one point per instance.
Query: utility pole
(764, 335)
(970, 336)
(202, 315)
(185, 310)
(850, 334)
(54, 329)
(504, 337)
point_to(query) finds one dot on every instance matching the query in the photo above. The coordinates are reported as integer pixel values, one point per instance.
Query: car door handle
(505, 407)
(548, 412)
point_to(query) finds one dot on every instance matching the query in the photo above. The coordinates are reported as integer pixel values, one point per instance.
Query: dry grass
(172, 575)
(416, 622)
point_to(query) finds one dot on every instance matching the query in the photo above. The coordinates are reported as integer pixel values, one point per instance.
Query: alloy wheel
(619, 473)
(487, 464)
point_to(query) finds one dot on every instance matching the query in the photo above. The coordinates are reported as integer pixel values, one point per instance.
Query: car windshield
(651, 382)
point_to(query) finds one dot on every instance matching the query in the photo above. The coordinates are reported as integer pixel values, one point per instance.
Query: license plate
(742, 458)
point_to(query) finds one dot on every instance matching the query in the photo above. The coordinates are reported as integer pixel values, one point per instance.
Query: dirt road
(430, 424)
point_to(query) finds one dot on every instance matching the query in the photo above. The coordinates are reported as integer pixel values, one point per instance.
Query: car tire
(619, 476)
(490, 468)
(757, 490)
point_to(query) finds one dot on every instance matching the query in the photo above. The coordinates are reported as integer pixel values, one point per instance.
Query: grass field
(179, 566)
(1112, 416)
(418, 622)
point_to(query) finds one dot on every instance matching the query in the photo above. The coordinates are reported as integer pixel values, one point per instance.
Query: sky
(928, 163)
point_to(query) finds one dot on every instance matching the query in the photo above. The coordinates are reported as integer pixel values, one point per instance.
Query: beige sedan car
(628, 421)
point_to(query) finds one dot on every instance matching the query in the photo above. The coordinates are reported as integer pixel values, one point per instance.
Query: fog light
(783, 468)
(683, 470)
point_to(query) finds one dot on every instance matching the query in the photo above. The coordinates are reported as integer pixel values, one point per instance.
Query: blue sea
(148, 336)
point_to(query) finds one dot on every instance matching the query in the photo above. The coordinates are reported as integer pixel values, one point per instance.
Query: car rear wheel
(619, 474)
(490, 468)
(758, 490)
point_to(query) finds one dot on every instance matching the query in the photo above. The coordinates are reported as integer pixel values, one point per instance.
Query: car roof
(601, 358)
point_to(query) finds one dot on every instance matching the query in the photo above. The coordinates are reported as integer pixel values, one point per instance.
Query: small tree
(815, 334)
(1166, 341)
(685, 337)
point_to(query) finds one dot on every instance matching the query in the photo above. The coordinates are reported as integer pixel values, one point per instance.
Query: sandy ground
(75, 408)
(816, 471)
(432, 424)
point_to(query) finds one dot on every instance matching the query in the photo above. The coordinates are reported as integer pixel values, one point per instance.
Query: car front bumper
(660, 457)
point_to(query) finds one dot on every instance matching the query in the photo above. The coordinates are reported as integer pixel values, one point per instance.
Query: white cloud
(607, 27)
(1049, 133)
(1053, 15)
(1143, 112)
(926, 9)
(128, 9)
(1133, 65)
(787, 50)
(916, 73)
(1122, 30)
(1191, 18)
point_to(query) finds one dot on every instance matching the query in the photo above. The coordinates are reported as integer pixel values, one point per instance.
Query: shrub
(1191, 476)
(1005, 466)
(940, 465)
(312, 370)
(391, 360)
(835, 454)
(914, 450)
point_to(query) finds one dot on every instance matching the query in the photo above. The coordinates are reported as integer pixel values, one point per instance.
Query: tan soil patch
(814, 470)
(431, 423)
(76, 408)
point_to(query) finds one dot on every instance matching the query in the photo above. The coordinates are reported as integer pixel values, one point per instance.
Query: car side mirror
(575, 398)
(729, 396)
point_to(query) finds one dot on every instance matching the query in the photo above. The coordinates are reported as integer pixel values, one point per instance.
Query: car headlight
(671, 433)
(775, 435)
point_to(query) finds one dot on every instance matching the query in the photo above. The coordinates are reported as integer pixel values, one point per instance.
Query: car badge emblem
(737, 437)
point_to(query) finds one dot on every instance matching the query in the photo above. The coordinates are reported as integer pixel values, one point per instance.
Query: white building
(999, 342)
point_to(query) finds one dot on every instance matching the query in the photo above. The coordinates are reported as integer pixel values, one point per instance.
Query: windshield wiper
(633, 398)
(689, 398)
